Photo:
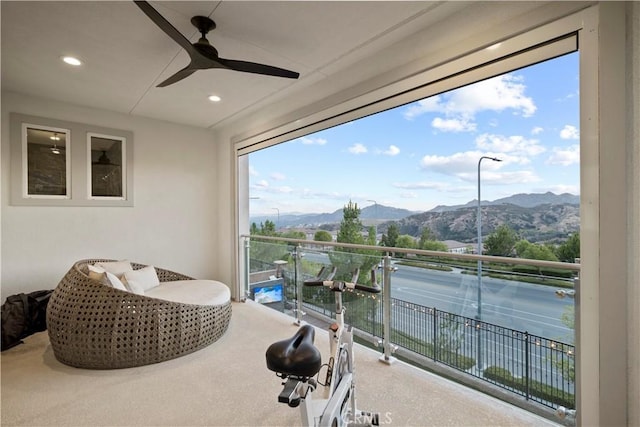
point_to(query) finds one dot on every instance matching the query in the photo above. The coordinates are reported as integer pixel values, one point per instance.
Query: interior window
(47, 162)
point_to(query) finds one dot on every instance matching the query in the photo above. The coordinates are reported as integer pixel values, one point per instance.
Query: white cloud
(312, 141)
(309, 194)
(277, 176)
(284, 189)
(408, 195)
(357, 149)
(420, 185)
(428, 105)
(502, 178)
(496, 94)
(565, 156)
(263, 184)
(392, 151)
(515, 144)
(464, 166)
(569, 132)
(465, 162)
(537, 130)
(253, 171)
(453, 125)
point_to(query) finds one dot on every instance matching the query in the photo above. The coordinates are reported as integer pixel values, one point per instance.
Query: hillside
(536, 217)
(372, 213)
(539, 223)
(522, 199)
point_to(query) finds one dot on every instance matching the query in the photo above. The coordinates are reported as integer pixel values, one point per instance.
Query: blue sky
(425, 154)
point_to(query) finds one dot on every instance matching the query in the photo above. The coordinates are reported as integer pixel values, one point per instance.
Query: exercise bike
(298, 362)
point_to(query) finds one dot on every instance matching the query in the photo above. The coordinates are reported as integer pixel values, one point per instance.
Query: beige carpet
(226, 384)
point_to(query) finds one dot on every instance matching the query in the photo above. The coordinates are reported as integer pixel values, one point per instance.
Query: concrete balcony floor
(228, 384)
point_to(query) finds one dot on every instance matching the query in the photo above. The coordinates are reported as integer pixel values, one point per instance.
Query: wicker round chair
(94, 326)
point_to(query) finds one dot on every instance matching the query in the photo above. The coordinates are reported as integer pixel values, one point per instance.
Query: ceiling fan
(203, 55)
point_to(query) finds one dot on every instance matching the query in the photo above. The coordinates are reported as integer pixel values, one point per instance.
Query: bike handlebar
(341, 286)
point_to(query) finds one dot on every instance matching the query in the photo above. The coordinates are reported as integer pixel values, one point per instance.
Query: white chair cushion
(200, 292)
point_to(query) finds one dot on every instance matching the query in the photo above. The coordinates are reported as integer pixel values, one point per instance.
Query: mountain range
(524, 200)
(368, 214)
(536, 217)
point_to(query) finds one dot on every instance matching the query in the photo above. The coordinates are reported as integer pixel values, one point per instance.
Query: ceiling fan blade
(185, 72)
(252, 67)
(165, 26)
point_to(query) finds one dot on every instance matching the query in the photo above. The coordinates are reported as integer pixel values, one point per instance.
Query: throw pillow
(97, 273)
(135, 287)
(145, 277)
(116, 267)
(115, 282)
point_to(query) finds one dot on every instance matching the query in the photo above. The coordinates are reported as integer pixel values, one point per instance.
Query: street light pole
(479, 225)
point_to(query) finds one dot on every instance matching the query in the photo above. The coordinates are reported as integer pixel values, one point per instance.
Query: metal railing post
(247, 269)
(436, 340)
(386, 311)
(526, 363)
(297, 256)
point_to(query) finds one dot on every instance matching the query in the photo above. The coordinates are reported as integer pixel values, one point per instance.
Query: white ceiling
(126, 55)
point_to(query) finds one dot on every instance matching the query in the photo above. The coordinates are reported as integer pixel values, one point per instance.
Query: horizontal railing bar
(467, 257)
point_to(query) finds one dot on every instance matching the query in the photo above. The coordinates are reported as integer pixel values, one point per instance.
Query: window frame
(25, 161)
(593, 44)
(123, 166)
(78, 187)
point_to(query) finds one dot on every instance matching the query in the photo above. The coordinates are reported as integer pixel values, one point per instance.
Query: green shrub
(551, 272)
(536, 388)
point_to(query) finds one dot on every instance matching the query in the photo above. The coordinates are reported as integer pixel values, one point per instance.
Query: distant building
(456, 247)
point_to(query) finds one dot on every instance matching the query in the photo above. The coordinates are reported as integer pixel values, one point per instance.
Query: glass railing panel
(511, 326)
(515, 296)
(363, 310)
(269, 264)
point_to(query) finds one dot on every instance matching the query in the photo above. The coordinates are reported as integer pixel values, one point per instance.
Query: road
(520, 306)
(508, 303)
(516, 305)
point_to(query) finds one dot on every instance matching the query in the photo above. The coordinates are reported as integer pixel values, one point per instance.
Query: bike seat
(296, 356)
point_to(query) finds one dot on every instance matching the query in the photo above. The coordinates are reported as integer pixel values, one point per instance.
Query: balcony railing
(521, 340)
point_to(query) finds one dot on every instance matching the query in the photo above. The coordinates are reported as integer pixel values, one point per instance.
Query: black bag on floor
(23, 315)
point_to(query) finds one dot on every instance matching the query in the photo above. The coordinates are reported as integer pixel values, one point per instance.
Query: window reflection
(107, 161)
(47, 160)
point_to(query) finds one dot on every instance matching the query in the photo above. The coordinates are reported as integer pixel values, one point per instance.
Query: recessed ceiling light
(71, 60)
(494, 46)
(214, 98)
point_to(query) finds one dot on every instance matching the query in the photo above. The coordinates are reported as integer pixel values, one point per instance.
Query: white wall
(173, 223)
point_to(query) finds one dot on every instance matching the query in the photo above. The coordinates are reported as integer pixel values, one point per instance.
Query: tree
(348, 259)
(350, 226)
(528, 250)
(569, 250)
(322, 236)
(426, 236)
(434, 245)
(501, 242)
(266, 229)
(428, 241)
(391, 237)
(293, 234)
(406, 241)
(253, 229)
